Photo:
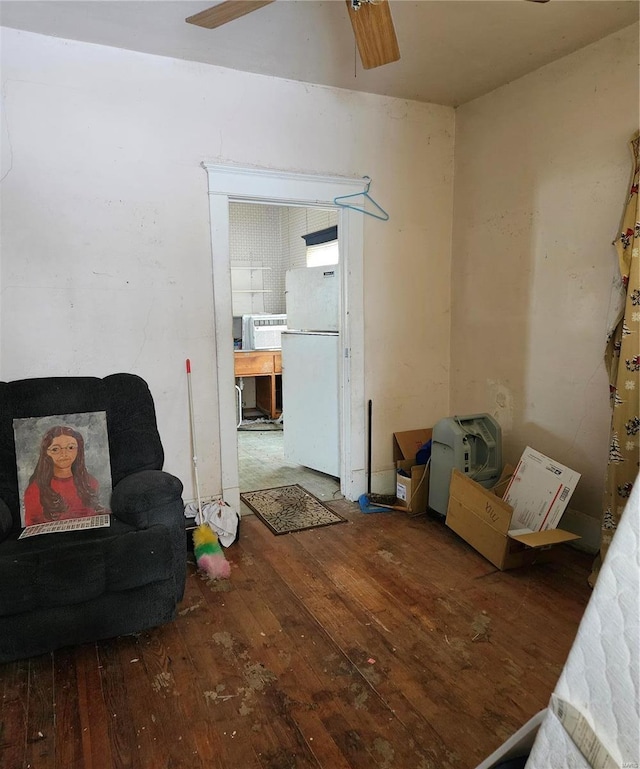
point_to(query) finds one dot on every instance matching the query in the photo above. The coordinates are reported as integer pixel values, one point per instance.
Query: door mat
(289, 508)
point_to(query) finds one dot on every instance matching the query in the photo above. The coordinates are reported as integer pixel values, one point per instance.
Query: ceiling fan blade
(222, 13)
(375, 34)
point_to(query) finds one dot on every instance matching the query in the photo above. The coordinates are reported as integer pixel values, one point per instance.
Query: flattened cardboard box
(483, 519)
(412, 491)
(539, 491)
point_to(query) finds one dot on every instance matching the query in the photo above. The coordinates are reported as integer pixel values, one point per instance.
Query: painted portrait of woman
(61, 487)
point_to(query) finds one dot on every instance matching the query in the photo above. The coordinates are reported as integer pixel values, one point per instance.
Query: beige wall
(542, 168)
(106, 252)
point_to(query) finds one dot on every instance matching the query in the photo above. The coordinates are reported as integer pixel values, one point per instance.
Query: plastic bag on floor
(222, 518)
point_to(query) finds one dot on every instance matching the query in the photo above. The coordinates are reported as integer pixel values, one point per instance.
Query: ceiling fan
(371, 21)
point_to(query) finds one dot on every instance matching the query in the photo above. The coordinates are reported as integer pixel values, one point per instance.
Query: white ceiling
(452, 51)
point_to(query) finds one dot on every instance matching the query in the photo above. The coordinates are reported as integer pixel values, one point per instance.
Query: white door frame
(237, 184)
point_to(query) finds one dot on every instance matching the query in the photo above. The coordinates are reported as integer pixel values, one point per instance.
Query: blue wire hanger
(383, 215)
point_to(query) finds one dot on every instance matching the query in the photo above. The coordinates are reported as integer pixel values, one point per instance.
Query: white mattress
(600, 678)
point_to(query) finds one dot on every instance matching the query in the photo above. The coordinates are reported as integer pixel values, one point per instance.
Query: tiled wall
(264, 242)
(255, 248)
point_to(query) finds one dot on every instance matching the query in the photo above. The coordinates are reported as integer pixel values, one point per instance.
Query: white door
(310, 401)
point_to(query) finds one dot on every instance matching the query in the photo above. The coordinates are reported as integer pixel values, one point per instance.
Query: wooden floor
(381, 642)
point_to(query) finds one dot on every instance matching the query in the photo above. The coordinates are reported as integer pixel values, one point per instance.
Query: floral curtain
(622, 359)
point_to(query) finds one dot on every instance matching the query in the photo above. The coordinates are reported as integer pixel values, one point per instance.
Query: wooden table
(266, 367)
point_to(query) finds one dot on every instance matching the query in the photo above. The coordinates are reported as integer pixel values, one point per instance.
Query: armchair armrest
(152, 497)
(149, 497)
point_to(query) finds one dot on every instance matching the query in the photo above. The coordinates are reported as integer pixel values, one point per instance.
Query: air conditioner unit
(471, 444)
(262, 332)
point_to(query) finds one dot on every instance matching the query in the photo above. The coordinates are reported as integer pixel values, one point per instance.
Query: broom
(207, 550)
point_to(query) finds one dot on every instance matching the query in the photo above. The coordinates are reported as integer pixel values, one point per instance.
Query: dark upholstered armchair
(70, 587)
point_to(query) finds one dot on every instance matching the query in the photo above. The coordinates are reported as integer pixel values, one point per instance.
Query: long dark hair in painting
(53, 505)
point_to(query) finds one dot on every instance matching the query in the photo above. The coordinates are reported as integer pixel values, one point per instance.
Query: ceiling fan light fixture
(357, 4)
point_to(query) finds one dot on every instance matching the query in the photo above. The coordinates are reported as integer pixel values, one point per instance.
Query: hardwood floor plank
(135, 681)
(320, 743)
(216, 676)
(164, 707)
(194, 680)
(94, 717)
(40, 714)
(13, 714)
(68, 731)
(122, 734)
(258, 707)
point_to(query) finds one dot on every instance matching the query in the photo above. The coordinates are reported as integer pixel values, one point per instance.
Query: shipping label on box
(412, 486)
(539, 491)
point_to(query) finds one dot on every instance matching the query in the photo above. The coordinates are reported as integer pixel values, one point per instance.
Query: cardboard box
(483, 519)
(539, 491)
(412, 491)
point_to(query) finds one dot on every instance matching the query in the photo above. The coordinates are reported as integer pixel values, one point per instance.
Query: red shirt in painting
(66, 487)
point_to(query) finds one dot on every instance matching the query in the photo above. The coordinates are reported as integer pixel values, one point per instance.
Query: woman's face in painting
(63, 451)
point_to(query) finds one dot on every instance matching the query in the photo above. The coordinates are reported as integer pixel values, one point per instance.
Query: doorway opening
(231, 184)
(285, 286)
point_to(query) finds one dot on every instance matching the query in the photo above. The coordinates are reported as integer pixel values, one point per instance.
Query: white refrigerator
(310, 357)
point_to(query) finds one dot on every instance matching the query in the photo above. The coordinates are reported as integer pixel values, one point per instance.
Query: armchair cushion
(74, 567)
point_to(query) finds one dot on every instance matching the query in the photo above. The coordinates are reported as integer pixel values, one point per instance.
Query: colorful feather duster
(209, 555)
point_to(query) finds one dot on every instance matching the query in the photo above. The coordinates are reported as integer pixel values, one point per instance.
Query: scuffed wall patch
(501, 400)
